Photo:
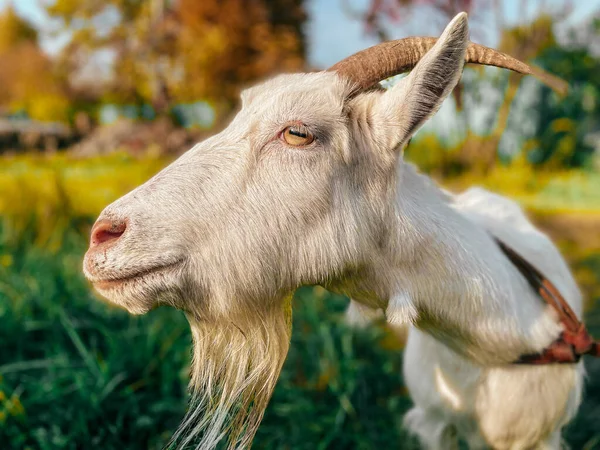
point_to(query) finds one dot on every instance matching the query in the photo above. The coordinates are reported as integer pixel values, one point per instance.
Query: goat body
(455, 373)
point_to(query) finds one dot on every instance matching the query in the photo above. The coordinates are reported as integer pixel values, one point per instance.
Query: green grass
(76, 373)
(86, 375)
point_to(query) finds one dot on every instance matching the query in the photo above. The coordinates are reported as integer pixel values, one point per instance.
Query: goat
(307, 185)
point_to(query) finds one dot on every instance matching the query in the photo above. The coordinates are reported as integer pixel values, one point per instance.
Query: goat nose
(107, 232)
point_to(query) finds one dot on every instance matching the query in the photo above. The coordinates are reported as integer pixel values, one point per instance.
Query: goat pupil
(298, 133)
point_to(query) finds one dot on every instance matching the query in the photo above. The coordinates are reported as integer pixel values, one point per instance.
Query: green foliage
(563, 125)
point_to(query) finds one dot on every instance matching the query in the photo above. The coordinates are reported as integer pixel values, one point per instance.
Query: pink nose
(107, 232)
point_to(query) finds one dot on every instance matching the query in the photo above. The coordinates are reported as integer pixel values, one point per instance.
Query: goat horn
(368, 67)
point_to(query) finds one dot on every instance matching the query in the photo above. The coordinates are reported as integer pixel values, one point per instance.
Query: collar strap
(575, 340)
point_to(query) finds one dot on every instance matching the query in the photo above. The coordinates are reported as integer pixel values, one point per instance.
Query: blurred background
(97, 96)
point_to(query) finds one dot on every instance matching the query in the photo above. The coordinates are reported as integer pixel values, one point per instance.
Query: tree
(14, 30)
(26, 75)
(563, 126)
(231, 43)
(526, 41)
(162, 52)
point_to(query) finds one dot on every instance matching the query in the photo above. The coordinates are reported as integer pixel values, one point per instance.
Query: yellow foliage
(6, 261)
(528, 40)
(49, 107)
(183, 51)
(55, 189)
(15, 407)
(52, 190)
(26, 74)
(28, 83)
(547, 188)
(428, 152)
(563, 124)
(14, 30)
(543, 191)
(65, 8)
(10, 406)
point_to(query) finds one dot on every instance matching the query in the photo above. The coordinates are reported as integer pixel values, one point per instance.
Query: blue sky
(332, 35)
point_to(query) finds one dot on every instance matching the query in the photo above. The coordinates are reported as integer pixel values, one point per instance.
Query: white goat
(307, 186)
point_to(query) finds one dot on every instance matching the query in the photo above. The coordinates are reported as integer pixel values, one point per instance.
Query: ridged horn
(372, 65)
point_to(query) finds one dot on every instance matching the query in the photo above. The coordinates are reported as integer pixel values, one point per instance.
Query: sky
(333, 35)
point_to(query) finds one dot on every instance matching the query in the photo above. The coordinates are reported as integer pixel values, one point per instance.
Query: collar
(575, 340)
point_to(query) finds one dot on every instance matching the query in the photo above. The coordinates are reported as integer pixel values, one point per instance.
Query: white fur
(233, 227)
(456, 378)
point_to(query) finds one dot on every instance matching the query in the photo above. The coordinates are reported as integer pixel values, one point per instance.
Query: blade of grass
(87, 357)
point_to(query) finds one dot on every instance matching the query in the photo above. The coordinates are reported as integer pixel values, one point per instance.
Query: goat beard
(235, 366)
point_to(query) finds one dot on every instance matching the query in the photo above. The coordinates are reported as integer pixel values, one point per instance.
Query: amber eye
(297, 136)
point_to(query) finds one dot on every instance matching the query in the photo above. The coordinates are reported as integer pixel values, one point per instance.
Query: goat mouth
(156, 272)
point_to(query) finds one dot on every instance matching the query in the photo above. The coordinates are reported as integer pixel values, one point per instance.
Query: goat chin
(235, 366)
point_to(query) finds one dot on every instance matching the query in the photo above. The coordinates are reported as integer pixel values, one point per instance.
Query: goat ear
(406, 106)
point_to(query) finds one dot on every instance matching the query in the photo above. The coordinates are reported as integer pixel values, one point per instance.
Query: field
(76, 373)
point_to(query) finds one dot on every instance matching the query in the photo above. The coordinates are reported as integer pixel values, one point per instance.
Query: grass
(76, 373)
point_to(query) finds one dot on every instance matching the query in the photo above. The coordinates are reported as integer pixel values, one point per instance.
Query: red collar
(575, 340)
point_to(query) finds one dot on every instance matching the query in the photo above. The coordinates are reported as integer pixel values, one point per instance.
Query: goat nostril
(107, 231)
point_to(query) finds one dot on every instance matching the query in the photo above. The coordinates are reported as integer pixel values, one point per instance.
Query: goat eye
(297, 136)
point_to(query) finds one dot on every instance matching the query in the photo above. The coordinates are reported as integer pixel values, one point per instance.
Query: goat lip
(109, 283)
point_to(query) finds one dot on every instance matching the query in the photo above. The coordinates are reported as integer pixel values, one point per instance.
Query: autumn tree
(163, 52)
(26, 75)
(231, 43)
